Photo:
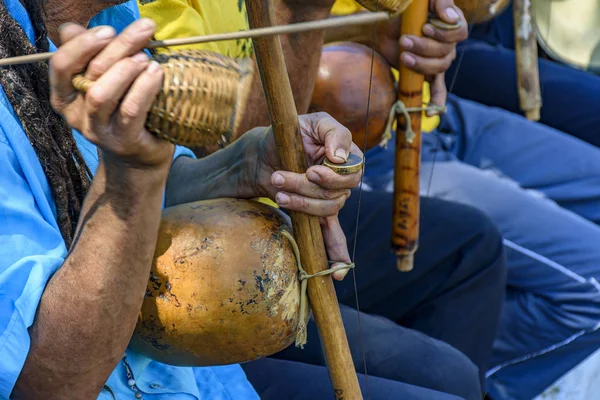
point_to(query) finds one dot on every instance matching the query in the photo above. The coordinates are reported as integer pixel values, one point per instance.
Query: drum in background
(478, 11)
(569, 31)
(342, 90)
(223, 288)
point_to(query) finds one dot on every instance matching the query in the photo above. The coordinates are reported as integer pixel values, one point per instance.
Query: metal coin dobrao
(202, 99)
(224, 286)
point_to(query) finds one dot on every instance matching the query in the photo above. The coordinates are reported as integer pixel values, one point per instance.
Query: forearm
(302, 54)
(89, 308)
(363, 34)
(225, 173)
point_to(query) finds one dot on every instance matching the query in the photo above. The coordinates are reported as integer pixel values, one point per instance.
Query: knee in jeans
(486, 242)
(457, 375)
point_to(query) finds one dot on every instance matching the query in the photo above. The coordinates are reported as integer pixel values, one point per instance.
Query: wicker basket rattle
(389, 6)
(203, 97)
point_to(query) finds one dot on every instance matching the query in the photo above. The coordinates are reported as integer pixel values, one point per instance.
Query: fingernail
(408, 60)
(341, 154)
(406, 43)
(313, 177)
(428, 30)
(153, 67)
(147, 23)
(277, 180)
(283, 199)
(140, 58)
(106, 32)
(341, 274)
(452, 14)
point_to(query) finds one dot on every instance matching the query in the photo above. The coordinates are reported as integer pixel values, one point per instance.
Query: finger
(131, 41)
(333, 136)
(427, 66)
(72, 58)
(336, 245)
(438, 93)
(354, 149)
(301, 185)
(307, 205)
(103, 98)
(425, 47)
(328, 179)
(446, 11)
(69, 31)
(138, 101)
(448, 35)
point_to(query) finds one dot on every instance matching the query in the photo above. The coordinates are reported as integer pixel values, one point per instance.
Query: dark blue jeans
(435, 325)
(485, 72)
(541, 187)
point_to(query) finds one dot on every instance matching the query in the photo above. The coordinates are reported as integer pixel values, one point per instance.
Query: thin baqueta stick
(329, 23)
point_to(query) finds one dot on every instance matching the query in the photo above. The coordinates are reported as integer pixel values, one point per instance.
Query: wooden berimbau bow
(307, 229)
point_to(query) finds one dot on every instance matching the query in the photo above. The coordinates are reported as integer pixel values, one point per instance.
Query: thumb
(446, 11)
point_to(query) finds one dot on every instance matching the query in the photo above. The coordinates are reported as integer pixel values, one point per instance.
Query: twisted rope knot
(400, 108)
(303, 276)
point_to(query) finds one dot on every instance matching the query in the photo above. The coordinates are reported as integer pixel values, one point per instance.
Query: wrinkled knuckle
(127, 40)
(339, 203)
(446, 63)
(320, 115)
(302, 204)
(96, 68)
(129, 111)
(96, 98)
(328, 194)
(60, 63)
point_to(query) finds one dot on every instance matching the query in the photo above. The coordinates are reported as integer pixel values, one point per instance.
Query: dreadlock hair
(28, 90)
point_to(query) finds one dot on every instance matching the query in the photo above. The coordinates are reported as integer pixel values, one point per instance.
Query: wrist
(251, 177)
(301, 11)
(128, 183)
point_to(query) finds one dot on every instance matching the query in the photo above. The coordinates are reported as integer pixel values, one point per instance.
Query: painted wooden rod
(526, 52)
(307, 229)
(405, 222)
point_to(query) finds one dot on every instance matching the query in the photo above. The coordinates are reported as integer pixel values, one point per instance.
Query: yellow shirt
(345, 7)
(185, 18)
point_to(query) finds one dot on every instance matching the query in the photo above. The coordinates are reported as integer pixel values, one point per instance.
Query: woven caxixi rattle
(202, 99)
(389, 6)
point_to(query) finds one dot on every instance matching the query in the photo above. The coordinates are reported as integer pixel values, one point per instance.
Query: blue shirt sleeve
(31, 250)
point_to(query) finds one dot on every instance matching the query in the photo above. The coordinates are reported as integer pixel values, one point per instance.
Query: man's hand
(113, 112)
(430, 55)
(320, 191)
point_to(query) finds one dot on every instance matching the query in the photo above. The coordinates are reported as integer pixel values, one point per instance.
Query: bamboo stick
(307, 229)
(405, 226)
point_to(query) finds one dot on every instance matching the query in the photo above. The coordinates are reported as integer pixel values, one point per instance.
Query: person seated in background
(410, 317)
(82, 187)
(541, 187)
(485, 72)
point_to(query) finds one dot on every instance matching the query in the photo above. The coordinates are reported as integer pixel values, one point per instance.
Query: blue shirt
(32, 249)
